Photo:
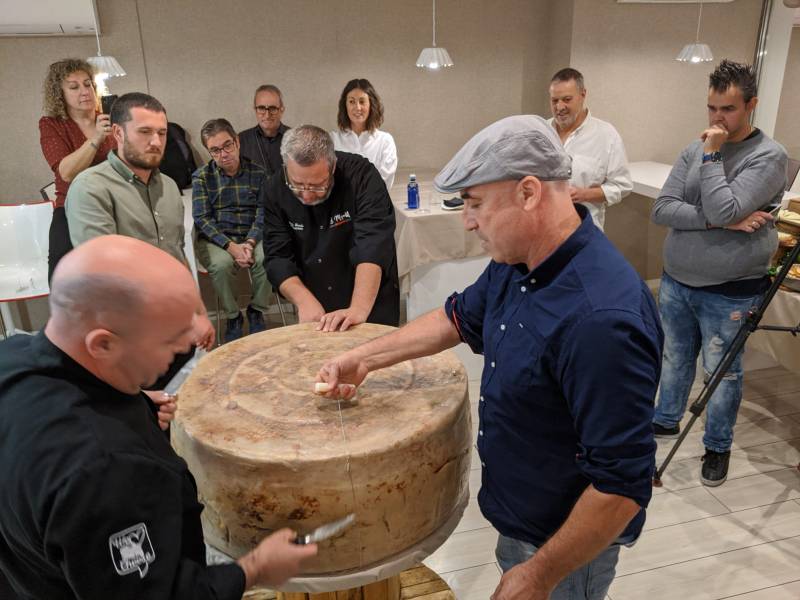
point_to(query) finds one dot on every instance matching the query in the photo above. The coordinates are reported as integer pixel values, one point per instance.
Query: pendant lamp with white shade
(696, 52)
(104, 66)
(435, 57)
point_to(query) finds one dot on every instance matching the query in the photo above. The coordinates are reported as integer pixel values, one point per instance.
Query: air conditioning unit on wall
(47, 17)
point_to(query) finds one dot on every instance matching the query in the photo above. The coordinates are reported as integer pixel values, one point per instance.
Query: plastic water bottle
(413, 192)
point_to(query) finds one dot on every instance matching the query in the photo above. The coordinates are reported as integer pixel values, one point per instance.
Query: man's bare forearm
(295, 291)
(595, 195)
(366, 286)
(596, 520)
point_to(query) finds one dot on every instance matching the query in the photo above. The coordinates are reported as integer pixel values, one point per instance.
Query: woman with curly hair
(360, 115)
(73, 136)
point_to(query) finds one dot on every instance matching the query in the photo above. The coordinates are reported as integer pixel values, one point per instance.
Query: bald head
(122, 309)
(115, 281)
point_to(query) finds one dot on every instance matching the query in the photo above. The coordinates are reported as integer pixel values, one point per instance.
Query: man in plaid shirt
(228, 211)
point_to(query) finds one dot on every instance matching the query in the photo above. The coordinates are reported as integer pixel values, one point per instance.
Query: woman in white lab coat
(360, 116)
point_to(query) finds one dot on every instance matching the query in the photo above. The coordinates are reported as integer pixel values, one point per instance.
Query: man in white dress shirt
(600, 175)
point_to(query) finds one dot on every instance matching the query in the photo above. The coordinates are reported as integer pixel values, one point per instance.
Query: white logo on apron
(131, 550)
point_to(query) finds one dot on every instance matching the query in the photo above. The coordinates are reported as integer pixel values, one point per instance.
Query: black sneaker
(666, 433)
(255, 320)
(715, 468)
(233, 330)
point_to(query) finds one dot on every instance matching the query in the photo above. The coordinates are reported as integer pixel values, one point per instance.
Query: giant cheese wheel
(268, 453)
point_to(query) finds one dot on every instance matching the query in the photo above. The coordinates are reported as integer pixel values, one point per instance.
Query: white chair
(24, 245)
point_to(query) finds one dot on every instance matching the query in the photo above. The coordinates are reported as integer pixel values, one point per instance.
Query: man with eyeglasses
(262, 143)
(329, 235)
(228, 211)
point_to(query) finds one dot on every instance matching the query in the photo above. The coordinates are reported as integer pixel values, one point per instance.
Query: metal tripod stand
(750, 324)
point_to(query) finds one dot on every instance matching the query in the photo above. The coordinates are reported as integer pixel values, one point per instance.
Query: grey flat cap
(511, 148)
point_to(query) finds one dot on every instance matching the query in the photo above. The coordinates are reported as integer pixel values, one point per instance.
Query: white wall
(204, 59)
(787, 126)
(627, 51)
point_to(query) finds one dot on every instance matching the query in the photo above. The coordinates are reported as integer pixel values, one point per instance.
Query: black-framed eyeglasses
(314, 189)
(272, 110)
(227, 147)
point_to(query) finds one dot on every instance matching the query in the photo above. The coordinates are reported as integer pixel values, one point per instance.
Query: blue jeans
(695, 321)
(590, 582)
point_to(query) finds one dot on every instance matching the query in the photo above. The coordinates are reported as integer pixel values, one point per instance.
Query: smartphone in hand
(106, 102)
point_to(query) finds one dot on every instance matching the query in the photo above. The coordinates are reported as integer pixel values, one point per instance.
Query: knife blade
(326, 531)
(176, 382)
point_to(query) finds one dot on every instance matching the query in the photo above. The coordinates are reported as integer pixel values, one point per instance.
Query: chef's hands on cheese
(309, 312)
(342, 319)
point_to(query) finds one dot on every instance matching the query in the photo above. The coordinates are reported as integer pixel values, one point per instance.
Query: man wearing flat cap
(572, 348)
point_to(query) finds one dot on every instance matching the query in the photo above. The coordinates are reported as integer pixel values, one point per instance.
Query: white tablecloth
(429, 237)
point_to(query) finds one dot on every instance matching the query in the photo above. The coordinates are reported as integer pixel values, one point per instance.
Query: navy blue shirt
(572, 356)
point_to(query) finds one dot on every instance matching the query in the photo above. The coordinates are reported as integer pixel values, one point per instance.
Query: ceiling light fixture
(697, 52)
(104, 66)
(434, 58)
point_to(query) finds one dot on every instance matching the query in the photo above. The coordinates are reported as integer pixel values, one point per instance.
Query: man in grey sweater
(715, 256)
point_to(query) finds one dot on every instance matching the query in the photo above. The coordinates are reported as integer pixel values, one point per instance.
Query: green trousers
(223, 270)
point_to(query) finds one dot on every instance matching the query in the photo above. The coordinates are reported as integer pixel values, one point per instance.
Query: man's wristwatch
(712, 157)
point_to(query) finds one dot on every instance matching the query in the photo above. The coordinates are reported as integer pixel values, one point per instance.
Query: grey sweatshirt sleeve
(760, 180)
(670, 208)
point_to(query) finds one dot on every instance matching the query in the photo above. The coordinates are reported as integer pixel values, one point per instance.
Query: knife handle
(302, 540)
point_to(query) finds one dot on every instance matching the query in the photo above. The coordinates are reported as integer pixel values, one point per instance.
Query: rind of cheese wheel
(267, 452)
(788, 216)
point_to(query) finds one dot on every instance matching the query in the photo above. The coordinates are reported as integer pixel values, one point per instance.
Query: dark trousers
(60, 243)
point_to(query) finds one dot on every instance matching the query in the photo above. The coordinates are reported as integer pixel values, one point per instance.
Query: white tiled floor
(740, 540)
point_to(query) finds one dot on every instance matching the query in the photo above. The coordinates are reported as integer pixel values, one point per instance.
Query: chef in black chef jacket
(94, 503)
(329, 235)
